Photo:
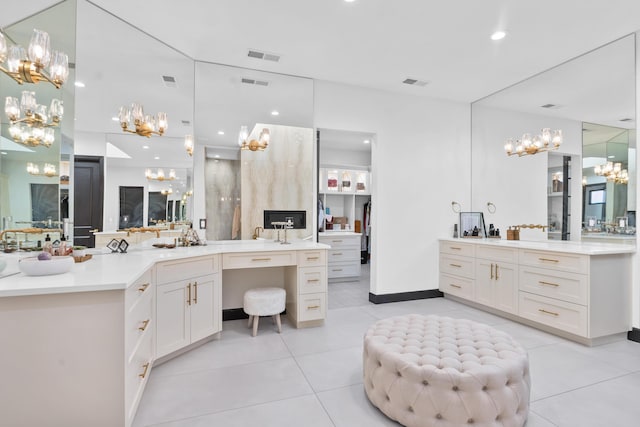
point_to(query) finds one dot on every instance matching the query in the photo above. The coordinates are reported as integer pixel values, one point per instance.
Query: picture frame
(122, 246)
(113, 245)
(472, 225)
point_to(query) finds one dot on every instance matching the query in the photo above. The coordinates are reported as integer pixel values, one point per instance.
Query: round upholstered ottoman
(438, 371)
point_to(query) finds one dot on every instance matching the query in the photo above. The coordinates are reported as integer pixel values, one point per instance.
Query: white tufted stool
(264, 302)
(438, 371)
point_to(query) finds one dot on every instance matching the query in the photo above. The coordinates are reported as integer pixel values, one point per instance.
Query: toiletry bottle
(62, 249)
(48, 246)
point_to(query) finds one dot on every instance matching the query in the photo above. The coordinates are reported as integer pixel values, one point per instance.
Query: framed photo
(122, 247)
(113, 245)
(472, 224)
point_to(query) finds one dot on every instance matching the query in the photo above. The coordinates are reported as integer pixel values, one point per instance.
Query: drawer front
(457, 265)
(136, 374)
(312, 258)
(139, 289)
(258, 259)
(312, 306)
(171, 271)
(458, 286)
(574, 263)
(558, 314)
(337, 255)
(348, 269)
(138, 323)
(570, 287)
(338, 242)
(312, 280)
(497, 254)
(458, 248)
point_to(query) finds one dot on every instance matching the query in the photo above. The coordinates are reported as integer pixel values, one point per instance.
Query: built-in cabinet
(345, 192)
(344, 256)
(188, 302)
(577, 294)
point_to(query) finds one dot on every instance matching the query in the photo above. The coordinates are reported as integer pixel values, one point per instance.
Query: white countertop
(338, 233)
(566, 246)
(110, 271)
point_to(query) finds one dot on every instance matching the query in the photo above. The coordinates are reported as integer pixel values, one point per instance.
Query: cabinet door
(172, 318)
(505, 289)
(205, 307)
(484, 282)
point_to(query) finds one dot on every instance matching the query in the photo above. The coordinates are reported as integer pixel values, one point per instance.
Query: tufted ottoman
(438, 371)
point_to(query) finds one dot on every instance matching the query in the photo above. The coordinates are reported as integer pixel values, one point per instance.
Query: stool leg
(277, 316)
(250, 319)
(255, 325)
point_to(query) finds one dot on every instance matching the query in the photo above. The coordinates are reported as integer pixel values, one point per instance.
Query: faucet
(256, 232)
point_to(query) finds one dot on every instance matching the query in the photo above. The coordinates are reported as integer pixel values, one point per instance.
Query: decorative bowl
(32, 266)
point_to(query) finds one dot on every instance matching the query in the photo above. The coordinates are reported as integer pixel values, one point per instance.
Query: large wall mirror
(118, 65)
(34, 190)
(592, 100)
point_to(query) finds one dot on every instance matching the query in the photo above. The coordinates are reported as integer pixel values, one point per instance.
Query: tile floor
(313, 377)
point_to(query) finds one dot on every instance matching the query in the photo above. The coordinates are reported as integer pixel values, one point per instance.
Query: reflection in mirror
(241, 184)
(597, 87)
(33, 188)
(160, 78)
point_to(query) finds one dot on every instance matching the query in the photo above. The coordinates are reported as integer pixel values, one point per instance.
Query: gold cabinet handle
(313, 280)
(456, 265)
(491, 271)
(260, 259)
(336, 269)
(455, 286)
(143, 287)
(312, 258)
(548, 259)
(548, 312)
(548, 283)
(313, 307)
(146, 368)
(189, 294)
(336, 253)
(195, 292)
(144, 325)
(455, 248)
(336, 241)
(497, 277)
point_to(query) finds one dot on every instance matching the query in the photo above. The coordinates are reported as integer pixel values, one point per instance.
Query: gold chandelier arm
(14, 76)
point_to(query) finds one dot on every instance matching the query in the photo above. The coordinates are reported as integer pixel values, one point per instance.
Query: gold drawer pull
(336, 241)
(195, 291)
(549, 259)
(336, 253)
(455, 248)
(189, 294)
(312, 258)
(260, 259)
(491, 271)
(313, 280)
(548, 283)
(144, 373)
(457, 265)
(313, 307)
(455, 286)
(337, 269)
(145, 323)
(143, 287)
(548, 312)
(497, 277)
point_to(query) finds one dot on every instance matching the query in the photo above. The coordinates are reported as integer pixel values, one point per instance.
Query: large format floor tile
(349, 407)
(332, 369)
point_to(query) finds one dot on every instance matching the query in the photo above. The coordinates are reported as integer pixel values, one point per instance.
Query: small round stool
(264, 302)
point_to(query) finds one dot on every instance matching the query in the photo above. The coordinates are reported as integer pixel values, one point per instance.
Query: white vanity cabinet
(188, 302)
(344, 256)
(496, 283)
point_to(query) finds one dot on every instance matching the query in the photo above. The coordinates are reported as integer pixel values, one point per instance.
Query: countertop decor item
(32, 266)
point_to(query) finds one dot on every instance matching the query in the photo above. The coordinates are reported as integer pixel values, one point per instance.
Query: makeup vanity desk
(78, 347)
(578, 290)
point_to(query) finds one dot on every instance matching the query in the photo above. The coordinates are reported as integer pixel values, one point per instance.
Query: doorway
(88, 177)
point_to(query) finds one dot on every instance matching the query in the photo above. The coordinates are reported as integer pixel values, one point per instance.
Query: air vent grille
(186, 122)
(169, 81)
(265, 56)
(249, 81)
(626, 119)
(415, 82)
(550, 106)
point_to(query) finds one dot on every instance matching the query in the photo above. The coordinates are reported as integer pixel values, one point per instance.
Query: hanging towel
(235, 228)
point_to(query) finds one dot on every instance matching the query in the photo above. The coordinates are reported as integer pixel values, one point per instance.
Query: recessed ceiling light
(220, 132)
(145, 147)
(115, 119)
(611, 157)
(217, 156)
(156, 158)
(4, 153)
(79, 84)
(275, 113)
(366, 141)
(349, 1)
(498, 35)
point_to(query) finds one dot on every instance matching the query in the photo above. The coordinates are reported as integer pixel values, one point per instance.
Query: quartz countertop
(112, 271)
(338, 233)
(566, 246)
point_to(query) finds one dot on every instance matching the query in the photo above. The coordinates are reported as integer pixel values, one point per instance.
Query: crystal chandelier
(159, 175)
(143, 125)
(533, 145)
(29, 66)
(260, 145)
(613, 172)
(31, 123)
(188, 144)
(49, 170)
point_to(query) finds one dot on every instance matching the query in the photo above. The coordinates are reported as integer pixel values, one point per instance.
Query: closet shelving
(345, 191)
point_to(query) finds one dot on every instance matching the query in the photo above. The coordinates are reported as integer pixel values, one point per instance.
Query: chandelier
(533, 145)
(613, 172)
(32, 123)
(29, 66)
(144, 125)
(188, 144)
(159, 175)
(260, 145)
(49, 170)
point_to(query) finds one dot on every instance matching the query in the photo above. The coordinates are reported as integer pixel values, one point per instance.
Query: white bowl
(32, 266)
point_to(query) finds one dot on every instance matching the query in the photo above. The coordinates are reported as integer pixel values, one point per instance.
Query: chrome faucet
(256, 232)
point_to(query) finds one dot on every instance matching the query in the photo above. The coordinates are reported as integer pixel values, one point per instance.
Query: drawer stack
(457, 269)
(312, 287)
(344, 256)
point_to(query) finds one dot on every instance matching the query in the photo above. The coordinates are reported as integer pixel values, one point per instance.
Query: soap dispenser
(48, 246)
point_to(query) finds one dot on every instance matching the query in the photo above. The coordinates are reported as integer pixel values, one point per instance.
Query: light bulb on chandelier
(135, 121)
(528, 145)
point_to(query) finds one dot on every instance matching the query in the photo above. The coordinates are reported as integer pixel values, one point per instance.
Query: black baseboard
(634, 335)
(404, 296)
(237, 313)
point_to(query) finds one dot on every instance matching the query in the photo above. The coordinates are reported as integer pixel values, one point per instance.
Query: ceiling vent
(263, 55)
(186, 123)
(249, 81)
(627, 119)
(551, 106)
(169, 81)
(415, 82)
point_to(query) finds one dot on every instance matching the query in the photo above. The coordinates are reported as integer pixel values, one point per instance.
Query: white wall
(420, 163)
